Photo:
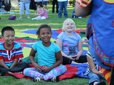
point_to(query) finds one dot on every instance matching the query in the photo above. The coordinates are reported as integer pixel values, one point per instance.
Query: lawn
(25, 24)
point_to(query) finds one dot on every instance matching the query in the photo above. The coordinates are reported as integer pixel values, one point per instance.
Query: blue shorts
(44, 3)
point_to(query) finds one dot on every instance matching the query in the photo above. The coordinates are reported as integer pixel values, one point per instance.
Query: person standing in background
(62, 4)
(24, 4)
(53, 7)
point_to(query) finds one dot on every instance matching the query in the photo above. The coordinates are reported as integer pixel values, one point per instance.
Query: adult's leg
(65, 9)
(56, 6)
(21, 9)
(0, 3)
(27, 6)
(60, 9)
(57, 71)
(53, 7)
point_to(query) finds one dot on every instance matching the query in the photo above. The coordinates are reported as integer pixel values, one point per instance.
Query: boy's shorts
(44, 3)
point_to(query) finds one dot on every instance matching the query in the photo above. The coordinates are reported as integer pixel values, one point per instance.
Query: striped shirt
(88, 67)
(9, 55)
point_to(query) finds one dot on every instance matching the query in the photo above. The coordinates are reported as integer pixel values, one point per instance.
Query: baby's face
(69, 26)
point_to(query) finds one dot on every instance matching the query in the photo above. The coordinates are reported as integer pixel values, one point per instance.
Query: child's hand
(100, 73)
(76, 57)
(37, 67)
(46, 69)
(71, 57)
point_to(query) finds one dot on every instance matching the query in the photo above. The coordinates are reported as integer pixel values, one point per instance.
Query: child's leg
(94, 78)
(43, 17)
(19, 67)
(32, 72)
(57, 71)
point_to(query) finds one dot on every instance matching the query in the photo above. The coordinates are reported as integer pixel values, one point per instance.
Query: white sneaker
(79, 17)
(28, 17)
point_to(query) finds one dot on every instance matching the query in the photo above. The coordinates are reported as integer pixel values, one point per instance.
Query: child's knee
(26, 70)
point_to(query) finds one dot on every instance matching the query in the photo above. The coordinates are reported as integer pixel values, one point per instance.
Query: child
(10, 52)
(70, 43)
(93, 71)
(44, 2)
(49, 57)
(41, 12)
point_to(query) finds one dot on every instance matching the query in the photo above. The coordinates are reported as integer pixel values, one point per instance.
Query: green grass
(25, 24)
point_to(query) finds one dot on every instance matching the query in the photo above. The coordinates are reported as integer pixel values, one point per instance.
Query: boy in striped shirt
(10, 52)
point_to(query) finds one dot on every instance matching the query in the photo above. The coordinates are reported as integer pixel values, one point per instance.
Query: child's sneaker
(101, 83)
(53, 79)
(36, 79)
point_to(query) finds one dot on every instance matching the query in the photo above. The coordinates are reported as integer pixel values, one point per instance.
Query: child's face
(69, 26)
(38, 6)
(9, 37)
(45, 35)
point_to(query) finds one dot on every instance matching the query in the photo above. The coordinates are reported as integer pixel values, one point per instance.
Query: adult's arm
(83, 11)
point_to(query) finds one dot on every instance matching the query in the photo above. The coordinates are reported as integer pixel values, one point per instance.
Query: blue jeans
(61, 6)
(94, 77)
(26, 5)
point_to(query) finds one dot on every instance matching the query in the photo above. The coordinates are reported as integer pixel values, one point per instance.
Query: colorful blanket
(28, 37)
(73, 70)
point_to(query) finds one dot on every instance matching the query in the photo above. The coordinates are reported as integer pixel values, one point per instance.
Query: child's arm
(59, 43)
(37, 13)
(82, 11)
(92, 66)
(14, 63)
(80, 50)
(43, 10)
(3, 64)
(58, 62)
(31, 57)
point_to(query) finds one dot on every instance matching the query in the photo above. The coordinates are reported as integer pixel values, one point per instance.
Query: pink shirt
(45, 14)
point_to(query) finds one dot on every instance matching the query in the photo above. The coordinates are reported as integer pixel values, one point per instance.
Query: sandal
(36, 79)
(53, 79)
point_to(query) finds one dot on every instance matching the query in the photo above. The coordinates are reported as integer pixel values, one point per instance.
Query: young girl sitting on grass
(49, 57)
(41, 12)
(70, 44)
